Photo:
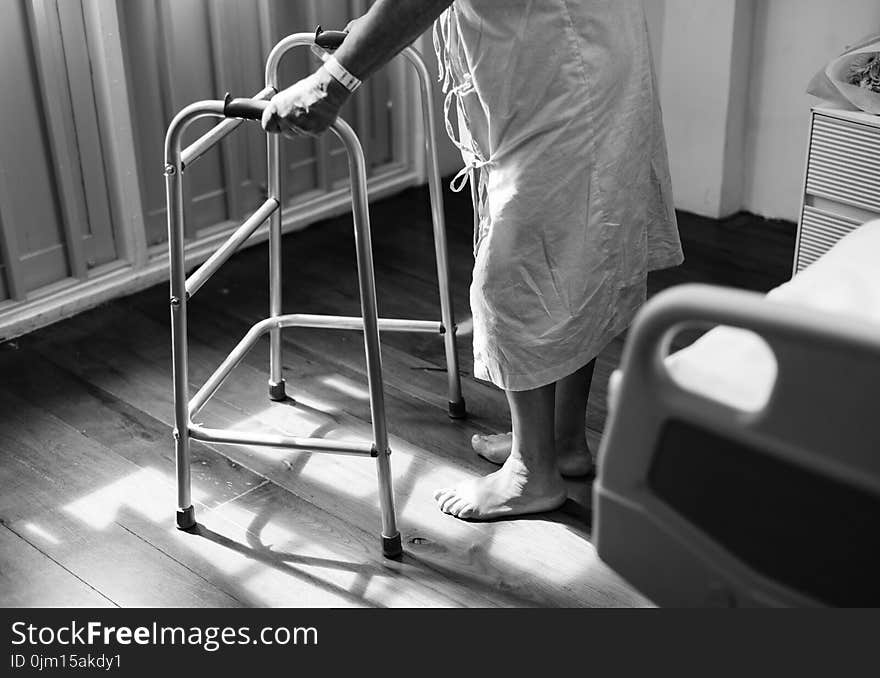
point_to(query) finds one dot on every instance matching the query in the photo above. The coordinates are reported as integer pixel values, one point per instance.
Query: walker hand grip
(330, 40)
(249, 109)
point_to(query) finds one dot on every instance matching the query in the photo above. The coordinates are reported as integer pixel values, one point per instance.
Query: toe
(440, 494)
(457, 506)
(450, 501)
(444, 499)
(466, 511)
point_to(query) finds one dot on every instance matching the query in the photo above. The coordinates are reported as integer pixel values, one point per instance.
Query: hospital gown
(559, 123)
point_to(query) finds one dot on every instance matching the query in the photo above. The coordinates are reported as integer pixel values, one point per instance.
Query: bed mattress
(737, 368)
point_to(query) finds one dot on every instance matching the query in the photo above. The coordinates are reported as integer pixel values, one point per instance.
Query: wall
(655, 11)
(786, 42)
(792, 40)
(703, 64)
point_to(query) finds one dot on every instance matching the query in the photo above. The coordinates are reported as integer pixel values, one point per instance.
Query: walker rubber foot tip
(186, 518)
(277, 392)
(457, 410)
(391, 546)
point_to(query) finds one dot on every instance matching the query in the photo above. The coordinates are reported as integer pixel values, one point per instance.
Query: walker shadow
(435, 557)
(428, 561)
(288, 563)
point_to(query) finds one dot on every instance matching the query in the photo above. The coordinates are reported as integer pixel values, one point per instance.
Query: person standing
(559, 122)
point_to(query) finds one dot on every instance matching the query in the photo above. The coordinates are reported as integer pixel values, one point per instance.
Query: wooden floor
(86, 466)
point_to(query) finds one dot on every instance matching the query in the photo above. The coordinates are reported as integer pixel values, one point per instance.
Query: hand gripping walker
(183, 288)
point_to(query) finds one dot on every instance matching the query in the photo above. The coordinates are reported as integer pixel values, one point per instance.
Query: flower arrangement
(865, 72)
(852, 80)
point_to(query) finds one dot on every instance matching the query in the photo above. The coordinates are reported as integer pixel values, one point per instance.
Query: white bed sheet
(737, 368)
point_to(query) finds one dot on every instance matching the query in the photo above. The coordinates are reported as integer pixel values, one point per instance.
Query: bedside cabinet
(842, 181)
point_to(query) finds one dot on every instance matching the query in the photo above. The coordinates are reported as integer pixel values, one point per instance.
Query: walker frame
(183, 288)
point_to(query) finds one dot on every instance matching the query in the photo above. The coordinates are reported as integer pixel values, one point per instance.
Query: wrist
(340, 73)
(335, 90)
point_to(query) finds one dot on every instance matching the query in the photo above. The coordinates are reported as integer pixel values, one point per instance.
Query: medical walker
(183, 288)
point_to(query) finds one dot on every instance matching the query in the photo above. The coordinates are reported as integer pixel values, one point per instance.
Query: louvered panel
(807, 254)
(842, 190)
(851, 137)
(871, 176)
(844, 162)
(820, 239)
(831, 145)
(820, 231)
(845, 128)
(812, 250)
(817, 220)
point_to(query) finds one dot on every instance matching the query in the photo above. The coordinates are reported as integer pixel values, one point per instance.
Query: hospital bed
(745, 469)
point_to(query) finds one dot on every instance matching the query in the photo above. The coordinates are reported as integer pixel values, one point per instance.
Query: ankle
(535, 467)
(572, 444)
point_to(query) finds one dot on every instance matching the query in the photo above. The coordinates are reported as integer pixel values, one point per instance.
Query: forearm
(310, 105)
(388, 27)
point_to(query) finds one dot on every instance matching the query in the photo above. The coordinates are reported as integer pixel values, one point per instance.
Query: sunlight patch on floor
(146, 491)
(279, 567)
(41, 533)
(287, 589)
(287, 420)
(346, 387)
(529, 538)
(228, 558)
(315, 404)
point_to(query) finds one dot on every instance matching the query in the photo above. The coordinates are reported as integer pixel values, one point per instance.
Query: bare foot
(510, 491)
(494, 448)
(574, 461)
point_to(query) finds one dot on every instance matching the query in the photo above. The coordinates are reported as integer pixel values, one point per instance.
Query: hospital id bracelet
(340, 72)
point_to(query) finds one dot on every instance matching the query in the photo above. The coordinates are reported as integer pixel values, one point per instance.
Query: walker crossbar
(213, 435)
(182, 289)
(333, 322)
(228, 248)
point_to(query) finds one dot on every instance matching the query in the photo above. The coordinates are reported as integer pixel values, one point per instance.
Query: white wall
(788, 42)
(655, 10)
(792, 40)
(703, 65)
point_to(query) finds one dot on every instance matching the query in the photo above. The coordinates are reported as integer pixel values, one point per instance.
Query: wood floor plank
(30, 578)
(131, 433)
(271, 548)
(119, 563)
(179, 545)
(128, 357)
(73, 495)
(317, 478)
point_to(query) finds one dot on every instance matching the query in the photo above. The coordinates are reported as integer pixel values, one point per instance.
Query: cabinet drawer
(820, 231)
(844, 162)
